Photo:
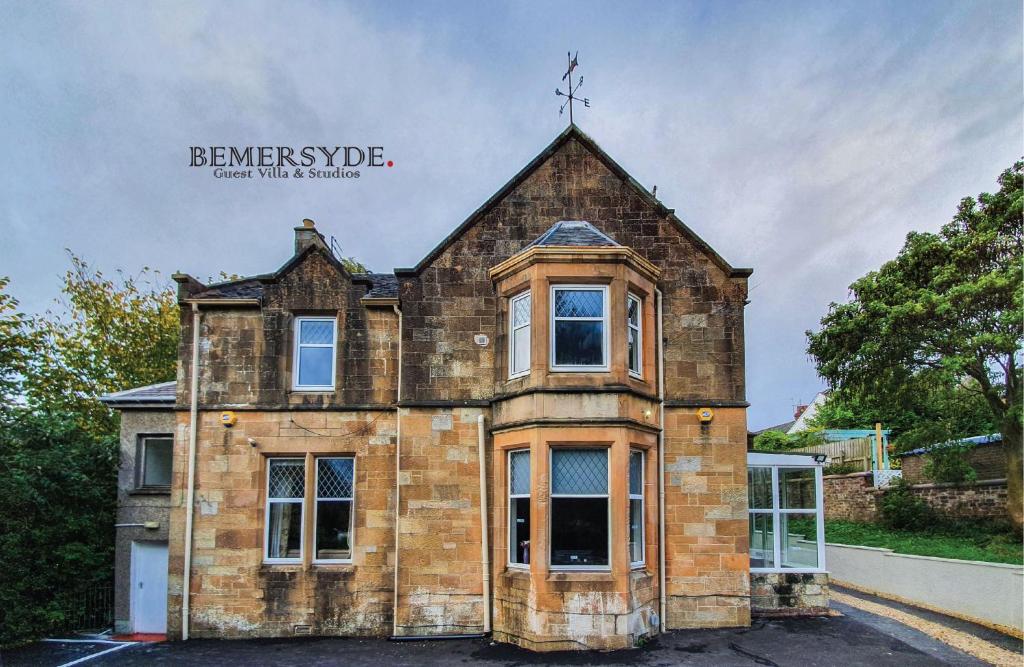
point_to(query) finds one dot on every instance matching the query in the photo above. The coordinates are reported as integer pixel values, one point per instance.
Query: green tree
(777, 441)
(58, 491)
(110, 335)
(16, 344)
(951, 304)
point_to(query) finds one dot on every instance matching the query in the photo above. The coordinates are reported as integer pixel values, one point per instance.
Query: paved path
(844, 640)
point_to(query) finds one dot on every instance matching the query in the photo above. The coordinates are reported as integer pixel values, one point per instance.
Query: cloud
(804, 140)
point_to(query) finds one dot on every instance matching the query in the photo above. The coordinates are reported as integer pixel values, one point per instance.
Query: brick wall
(988, 460)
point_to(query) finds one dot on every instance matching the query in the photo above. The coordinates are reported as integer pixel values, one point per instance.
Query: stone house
(538, 431)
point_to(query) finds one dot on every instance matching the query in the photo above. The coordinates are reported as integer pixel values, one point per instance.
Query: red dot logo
(390, 163)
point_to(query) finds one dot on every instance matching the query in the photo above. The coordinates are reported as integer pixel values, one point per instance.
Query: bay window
(286, 493)
(579, 509)
(579, 331)
(519, 507)
(519, 335)
(313, 364)
(787, 532)
(636, 508)
(634, 351)
(335, 482)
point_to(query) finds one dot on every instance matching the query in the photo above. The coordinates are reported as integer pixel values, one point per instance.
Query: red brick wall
(850, 497)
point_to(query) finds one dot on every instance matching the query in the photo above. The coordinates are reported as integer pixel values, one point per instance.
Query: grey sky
(802, 139)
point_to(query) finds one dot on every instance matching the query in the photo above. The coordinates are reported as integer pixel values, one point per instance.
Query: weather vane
(571, 95)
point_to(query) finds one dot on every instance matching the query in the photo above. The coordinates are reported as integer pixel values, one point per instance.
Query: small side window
(154, 462)
(634, 311)
(519, 335)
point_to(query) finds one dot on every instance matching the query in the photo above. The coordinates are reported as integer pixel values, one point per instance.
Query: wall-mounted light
(820, 458)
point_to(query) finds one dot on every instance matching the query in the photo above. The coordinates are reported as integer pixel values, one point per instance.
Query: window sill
(580, 575)
(311, 390)
(342, 564)
(150, 491)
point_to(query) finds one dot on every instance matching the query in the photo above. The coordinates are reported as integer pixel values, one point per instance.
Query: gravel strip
(962, 641)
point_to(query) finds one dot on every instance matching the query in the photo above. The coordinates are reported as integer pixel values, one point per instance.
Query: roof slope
(574, 133)
(152, 394)
(574, 233)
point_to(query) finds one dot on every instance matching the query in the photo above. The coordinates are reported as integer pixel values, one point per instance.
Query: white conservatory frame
(774, 462)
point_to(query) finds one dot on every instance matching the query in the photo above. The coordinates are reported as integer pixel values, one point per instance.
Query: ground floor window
(331, 499)
(580, 511)
(785, 517)
(519, 507)
(636, 508)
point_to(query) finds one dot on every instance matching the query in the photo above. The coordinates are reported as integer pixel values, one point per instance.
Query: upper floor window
(633, 335)
(579, 331)
(580, 509)
(154, 462)
(315, 339)
(519, 335)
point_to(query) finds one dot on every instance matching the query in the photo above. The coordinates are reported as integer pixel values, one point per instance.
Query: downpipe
(186, 586)
(661, 467)
(398, 474)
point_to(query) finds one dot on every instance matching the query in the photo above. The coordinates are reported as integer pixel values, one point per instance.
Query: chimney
(799, 411)
(306, 235)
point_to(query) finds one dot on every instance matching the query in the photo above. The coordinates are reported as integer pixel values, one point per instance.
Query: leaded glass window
(335, 483)
(579, 508)
(315, 339)
(579, 335)
(519, 507)
(286, 491)
(519, 335)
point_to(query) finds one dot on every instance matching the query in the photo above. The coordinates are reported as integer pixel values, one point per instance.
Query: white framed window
(519, 508)
(153, 462)
(634, 335)
(286, 494)
(314, 361)
(580, 513)
(334, 511)
(579, 328)
(786, 519)
(636, 508)
(519, 335)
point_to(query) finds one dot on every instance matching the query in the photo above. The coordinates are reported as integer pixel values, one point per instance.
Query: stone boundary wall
(988, 460)
(854, 498)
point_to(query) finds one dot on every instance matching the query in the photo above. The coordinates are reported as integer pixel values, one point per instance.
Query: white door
(149, 587)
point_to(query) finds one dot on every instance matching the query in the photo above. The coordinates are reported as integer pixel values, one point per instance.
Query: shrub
(948, 463)
(901, 509)
(841, 468)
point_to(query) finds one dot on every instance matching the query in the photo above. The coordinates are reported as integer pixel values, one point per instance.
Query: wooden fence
(856, 451)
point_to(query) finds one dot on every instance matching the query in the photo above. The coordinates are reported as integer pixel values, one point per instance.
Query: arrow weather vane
(571, 95)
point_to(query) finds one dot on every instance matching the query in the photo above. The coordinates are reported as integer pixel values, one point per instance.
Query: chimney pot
(308, 224)
(799, 411)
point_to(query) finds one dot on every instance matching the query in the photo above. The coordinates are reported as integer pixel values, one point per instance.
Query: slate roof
(783, 428)
(245, 288)
(382, 285)
(573, 233)
(153, 394)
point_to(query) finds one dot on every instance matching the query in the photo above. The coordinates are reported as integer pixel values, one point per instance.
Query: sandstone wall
(234, 594)
(788, 594)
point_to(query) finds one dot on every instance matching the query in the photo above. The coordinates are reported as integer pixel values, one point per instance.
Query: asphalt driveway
(840, 640)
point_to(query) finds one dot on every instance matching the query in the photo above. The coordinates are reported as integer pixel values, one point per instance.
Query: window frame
(604, 367)
(140, 462)
(789, 461)
(351, 513)
(297, 352)
(639, 328)
(529, 496)
(642, 497)
(512, 328)
(608, 500)
(302, 513)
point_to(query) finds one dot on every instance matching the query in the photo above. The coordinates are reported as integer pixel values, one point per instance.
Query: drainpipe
(485, 554)
(661, 466)
(197, 319)
(398, 472)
